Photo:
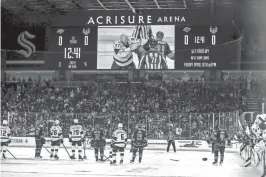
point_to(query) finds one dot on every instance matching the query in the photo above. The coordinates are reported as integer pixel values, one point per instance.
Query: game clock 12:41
(75, 48)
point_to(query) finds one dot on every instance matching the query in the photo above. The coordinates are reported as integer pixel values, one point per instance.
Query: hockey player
(76, 137)
(5, 138)
(98, 142)
(123, 53)
(138, 142)
(39, 141)
(56, 139)
(171, 140)
(118, 143)
(160, 46)
(155, 52)
(220, 139)
(211, 140)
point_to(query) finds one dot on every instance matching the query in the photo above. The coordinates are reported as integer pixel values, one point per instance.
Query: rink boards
(188, 145)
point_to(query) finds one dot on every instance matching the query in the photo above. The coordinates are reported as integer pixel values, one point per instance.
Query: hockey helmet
(120, 125)
(138, 126)
(4, 122)
(56, 122)
(76, 121)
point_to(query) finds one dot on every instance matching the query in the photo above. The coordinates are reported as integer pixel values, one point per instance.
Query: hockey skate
(221, 162)
(215, 162)
(101, 160)
(38, 157)
(80, 158)
(73, 157)
(121, 161)
(131, 161)
(4, 156)
(113, 163)
(51, 156)
(56, 157)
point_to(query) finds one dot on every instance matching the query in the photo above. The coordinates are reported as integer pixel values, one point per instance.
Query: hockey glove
(92, 143)
(83, 140)
(70, 140)
(112, 145)
(103, 142)
(9, 141)
(228, 142)
(133, 44)
(62, 141)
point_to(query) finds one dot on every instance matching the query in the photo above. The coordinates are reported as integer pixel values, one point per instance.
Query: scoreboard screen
(207, 47)
(73, 48)
(194, 47)
(167, 39)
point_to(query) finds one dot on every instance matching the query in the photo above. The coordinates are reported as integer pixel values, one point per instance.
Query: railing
(157, 125)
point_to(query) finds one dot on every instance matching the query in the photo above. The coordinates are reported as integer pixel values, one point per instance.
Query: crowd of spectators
(190, 105)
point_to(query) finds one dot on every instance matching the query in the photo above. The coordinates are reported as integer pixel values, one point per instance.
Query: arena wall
(160, 145)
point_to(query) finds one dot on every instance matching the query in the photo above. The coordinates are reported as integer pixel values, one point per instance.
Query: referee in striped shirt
(171, 140)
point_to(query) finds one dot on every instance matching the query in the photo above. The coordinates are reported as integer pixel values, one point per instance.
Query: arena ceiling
(44, 5)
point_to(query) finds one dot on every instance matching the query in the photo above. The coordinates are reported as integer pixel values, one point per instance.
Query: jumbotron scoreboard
(193, 40)
(195, 47)
(73, 48)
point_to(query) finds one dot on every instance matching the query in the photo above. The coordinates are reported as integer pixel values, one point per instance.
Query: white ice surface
(154, 164)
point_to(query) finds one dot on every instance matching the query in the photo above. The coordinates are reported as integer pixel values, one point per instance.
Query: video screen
(136, 47)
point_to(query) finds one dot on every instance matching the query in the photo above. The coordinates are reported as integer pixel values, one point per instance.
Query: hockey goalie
(123, 52)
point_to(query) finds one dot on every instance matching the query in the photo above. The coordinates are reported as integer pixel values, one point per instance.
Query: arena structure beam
(157, 4)
(27, 8)
(185, 3)
(76, 4)
(101, 4)
(130, 6)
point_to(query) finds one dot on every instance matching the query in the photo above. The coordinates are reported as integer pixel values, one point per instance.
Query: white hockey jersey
(123, 56)
(5, 134)
(56, 133)
(120, 138)
(76, 132)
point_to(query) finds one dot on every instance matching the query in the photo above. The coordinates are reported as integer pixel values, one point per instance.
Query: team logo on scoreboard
(26, 44)
(213, 29)
(86, 31)
(60, 31)
(73, 40)
(186, 29)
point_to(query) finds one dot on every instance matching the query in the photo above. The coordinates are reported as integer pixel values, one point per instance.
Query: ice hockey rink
(154, 164)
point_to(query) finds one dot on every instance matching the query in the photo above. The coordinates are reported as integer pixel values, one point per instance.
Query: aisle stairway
(253, 105)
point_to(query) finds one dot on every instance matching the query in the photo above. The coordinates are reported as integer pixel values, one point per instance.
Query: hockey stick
(66, 150)
(175, 160)
(110, 156)
(11, 154)
(84, 150)
(47, 150)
